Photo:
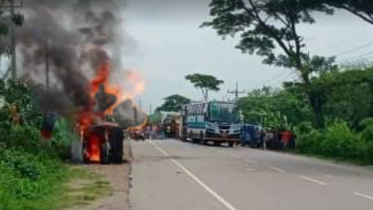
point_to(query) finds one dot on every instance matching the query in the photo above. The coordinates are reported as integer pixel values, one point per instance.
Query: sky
(164, 43)
(170, 44)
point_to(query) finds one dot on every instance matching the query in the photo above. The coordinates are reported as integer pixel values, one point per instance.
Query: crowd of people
(154, 131)
(267, 138)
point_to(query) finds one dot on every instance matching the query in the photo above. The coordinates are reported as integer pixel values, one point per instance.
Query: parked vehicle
(170, 125)
(138, 135)
(213, 121)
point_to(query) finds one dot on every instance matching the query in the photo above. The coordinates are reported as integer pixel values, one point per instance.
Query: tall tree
(173, 103)
(204, 82)
(264, 26)
(361, 8)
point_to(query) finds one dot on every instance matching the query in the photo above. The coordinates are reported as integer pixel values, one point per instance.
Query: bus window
(194, 108)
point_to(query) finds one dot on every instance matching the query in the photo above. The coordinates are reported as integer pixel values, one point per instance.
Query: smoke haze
(76, 37)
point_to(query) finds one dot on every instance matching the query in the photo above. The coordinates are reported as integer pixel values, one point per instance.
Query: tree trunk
(205, 94)
(371, 104)
(316, 104)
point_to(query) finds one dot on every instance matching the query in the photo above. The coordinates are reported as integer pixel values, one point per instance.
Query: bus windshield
(223, 112)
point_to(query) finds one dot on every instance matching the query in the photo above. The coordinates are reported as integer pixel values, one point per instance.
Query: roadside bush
(25, 137)
(338, 141)
(309, 142)
(26, 176)
(341, 142)
(29, 173)
(366, 122)
(367, 136)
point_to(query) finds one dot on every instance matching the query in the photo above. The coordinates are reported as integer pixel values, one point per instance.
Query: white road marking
(278, 169)
(251, 161)
(250, 169)
(235, 156)
(196, 179)
(363, 195)
(313, 180)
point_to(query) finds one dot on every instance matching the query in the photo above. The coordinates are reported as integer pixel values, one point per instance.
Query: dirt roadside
(118, 177)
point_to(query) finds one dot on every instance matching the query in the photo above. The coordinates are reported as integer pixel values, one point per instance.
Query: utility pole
(150, 109)
(140, 104)
(236, 92)
(13, 41)
(12, 28)
(47, 67)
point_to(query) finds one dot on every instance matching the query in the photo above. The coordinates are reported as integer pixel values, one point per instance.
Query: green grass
(78, 187)
(81, 189)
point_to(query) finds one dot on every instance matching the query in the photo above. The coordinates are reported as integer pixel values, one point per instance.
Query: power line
(356, 58)
(354, 49)
(277, 77)
(281, 75)
(236, 92)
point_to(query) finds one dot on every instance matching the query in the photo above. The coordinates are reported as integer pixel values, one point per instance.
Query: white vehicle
(213, 121)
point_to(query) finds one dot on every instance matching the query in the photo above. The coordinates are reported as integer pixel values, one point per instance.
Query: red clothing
(285, 136)
(46, 134)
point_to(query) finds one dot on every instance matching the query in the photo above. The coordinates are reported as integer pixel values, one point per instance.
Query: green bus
(213, 121)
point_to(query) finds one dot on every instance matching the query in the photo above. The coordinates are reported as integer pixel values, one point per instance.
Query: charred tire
(217, 144)
(194, 140)
(116, 146)
(202, 139)
(231, 144)
(105, 154)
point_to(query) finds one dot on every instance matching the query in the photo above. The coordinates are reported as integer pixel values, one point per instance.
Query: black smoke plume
(73, 38)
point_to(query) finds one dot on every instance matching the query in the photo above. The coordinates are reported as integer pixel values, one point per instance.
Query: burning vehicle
(75, 65)
(103, 144)
(102, 126)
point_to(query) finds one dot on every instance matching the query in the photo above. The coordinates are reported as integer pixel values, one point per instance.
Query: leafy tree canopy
(361, 8)
(265, 25)
(204, 82)
(173, 103)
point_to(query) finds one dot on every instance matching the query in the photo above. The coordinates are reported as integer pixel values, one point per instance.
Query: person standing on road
(148, 131)
(154, 131)
(270, 139)
(261, 138)
(285, 138)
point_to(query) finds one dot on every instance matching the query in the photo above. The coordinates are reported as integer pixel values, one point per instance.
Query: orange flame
(132, 86)
(94, 148)
(103, 77)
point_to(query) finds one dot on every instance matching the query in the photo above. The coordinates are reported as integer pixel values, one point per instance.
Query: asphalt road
(174, 175)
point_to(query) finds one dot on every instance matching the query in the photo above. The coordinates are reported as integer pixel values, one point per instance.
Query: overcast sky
(165, 43)
(170, 45)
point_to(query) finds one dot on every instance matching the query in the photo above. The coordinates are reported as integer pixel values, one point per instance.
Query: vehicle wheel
(230, 144)
(217, 144)
(202, 139)
(194, 140)
(251, 145)
(105, 154)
